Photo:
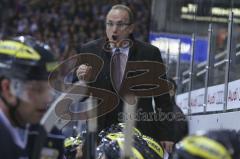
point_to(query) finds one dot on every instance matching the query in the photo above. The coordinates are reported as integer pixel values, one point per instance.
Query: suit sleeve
(79, 51)
(164, 109)
(74, 75)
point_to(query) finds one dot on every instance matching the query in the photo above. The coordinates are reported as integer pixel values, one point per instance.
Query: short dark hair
(125, 8)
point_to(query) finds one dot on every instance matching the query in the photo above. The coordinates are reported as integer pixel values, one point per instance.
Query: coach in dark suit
(119, 26)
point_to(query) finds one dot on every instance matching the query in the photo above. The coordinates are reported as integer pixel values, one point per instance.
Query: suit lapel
(132, 52)
(132, 56)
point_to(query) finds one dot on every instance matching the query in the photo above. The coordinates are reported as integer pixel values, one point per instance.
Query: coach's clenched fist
(84, 72)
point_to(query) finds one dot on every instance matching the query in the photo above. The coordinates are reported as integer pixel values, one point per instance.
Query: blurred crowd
(65, 25)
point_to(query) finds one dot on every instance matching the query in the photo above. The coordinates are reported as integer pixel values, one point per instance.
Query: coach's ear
(131, 28)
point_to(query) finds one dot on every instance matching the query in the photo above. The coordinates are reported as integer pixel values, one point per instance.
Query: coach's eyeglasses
(119, 25)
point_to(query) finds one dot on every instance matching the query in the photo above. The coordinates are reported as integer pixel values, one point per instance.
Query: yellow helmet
(221, 144)
(142, 148)
(25, 58)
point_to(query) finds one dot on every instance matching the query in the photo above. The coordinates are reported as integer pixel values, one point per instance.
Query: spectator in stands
(63, 23)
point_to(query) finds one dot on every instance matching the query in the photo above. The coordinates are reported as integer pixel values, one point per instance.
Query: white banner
(182, 102)
(215, 98)
(233, 95)
(197, 100)
(196, 104)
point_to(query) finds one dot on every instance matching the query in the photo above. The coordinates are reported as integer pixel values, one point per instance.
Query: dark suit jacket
(180, 123)
(8, 148)
(140, 51)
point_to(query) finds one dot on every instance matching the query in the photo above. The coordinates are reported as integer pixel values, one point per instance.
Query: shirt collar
(122, 50)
